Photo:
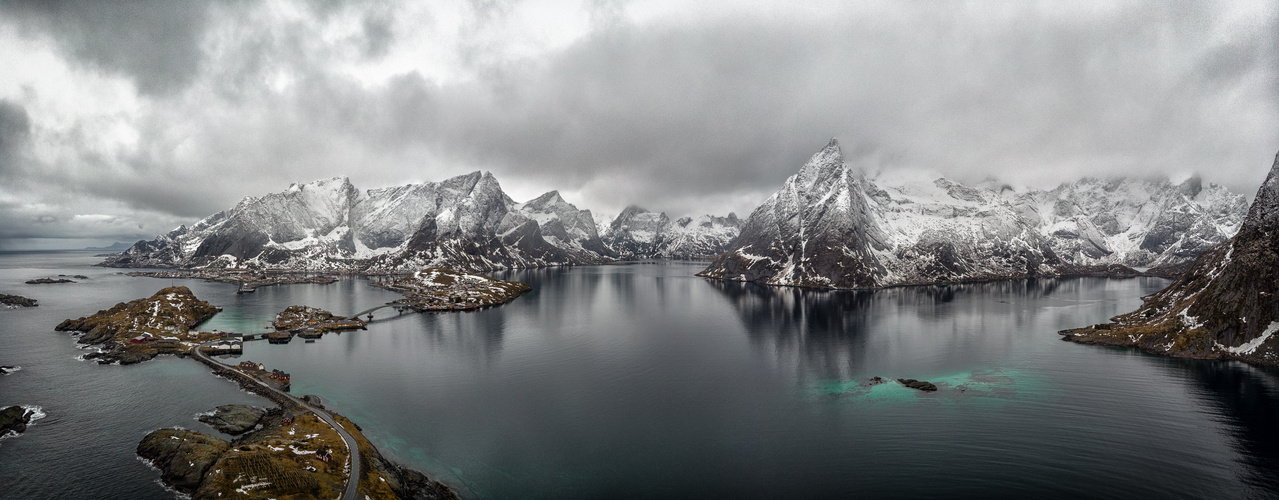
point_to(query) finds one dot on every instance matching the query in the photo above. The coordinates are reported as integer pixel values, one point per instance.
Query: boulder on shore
(918, 384)
(17, 301)
(234, 419)
(182, 456)
(15, 419)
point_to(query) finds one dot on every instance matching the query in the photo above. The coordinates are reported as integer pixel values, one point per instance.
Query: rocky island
(140, 329)
(282, 452)
(1226, 306)
(311, 322)
(248, 280)
(17, 301)
(441, 289)
(296, 449)
(48, 281)
(14, 419)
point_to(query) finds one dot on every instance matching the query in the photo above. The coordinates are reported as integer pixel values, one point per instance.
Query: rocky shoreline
(17, 301)
(141, 329)
(179, 454)
(443, 289)
(247, 280)
(48, 281)
(1225, 305)
(15, 419)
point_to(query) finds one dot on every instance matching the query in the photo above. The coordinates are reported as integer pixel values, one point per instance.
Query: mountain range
(1226, 306)
(829, 226)
(465, 222)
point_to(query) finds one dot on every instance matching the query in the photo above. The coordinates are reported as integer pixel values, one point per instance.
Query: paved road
(353, 482)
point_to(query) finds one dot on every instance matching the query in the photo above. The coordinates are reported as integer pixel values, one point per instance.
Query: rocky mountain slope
(1134, 222)
(637, 233)
(1225, 306)
(465, 222)
(830, 227)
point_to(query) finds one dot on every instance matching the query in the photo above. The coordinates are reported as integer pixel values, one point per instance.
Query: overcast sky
(121, 120)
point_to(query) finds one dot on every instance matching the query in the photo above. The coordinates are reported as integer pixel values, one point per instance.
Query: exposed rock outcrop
(234, 419)
(14, 419)
(290, 453)
(17, 301)
(466, 222)
(918, 384)
(637, 233)
(182, 456)
(831, 227)
(1224, 306)
(160, 322)
(439, 289)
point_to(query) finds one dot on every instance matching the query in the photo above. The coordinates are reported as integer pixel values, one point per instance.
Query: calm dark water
(644, 381)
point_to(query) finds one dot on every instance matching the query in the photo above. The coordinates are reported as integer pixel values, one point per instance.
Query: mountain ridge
(1226, 306)
(831, 227)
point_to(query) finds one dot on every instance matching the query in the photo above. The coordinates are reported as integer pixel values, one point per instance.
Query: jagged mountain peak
(1225, 305)
(335, 183)
(826, 164)
(1264, 213)
(547, 199)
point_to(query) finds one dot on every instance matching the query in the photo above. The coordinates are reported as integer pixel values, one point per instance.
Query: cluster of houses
(157, 342)
(227, 345)
(278, 375)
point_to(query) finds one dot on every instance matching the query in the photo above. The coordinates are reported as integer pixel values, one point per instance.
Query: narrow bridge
(369, 311)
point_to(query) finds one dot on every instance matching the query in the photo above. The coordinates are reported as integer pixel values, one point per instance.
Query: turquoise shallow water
(644, 381)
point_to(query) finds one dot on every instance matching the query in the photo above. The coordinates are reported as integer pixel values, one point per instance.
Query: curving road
(353, 481)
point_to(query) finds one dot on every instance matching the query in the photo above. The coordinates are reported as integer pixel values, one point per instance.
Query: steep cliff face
(830, 227)
(1134, 222)
(1225, 306)
(637, 233)
(817, 230)
(466, 221)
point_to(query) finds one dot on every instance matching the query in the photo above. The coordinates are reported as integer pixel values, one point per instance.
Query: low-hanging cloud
(688, 114)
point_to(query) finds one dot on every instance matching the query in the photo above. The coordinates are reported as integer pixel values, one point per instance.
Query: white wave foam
(37, 413)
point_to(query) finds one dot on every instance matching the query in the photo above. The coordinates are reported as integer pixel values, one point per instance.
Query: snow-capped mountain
(637, 233)
(1133, 222)
(830, 227)
(1225, 306)
(466, 222)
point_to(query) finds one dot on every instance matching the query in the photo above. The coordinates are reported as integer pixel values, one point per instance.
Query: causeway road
(352, 482)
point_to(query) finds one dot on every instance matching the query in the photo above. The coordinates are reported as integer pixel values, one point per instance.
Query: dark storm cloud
(686, 115)
(156, 43)
(681, 110)
(378, 34)
(15, 125)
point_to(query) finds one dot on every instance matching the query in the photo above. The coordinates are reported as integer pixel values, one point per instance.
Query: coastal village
(247, 280)
(442, 289)
(309, 323)
(288, 451)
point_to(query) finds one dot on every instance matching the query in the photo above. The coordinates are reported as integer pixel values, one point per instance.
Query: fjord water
(645, 381)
